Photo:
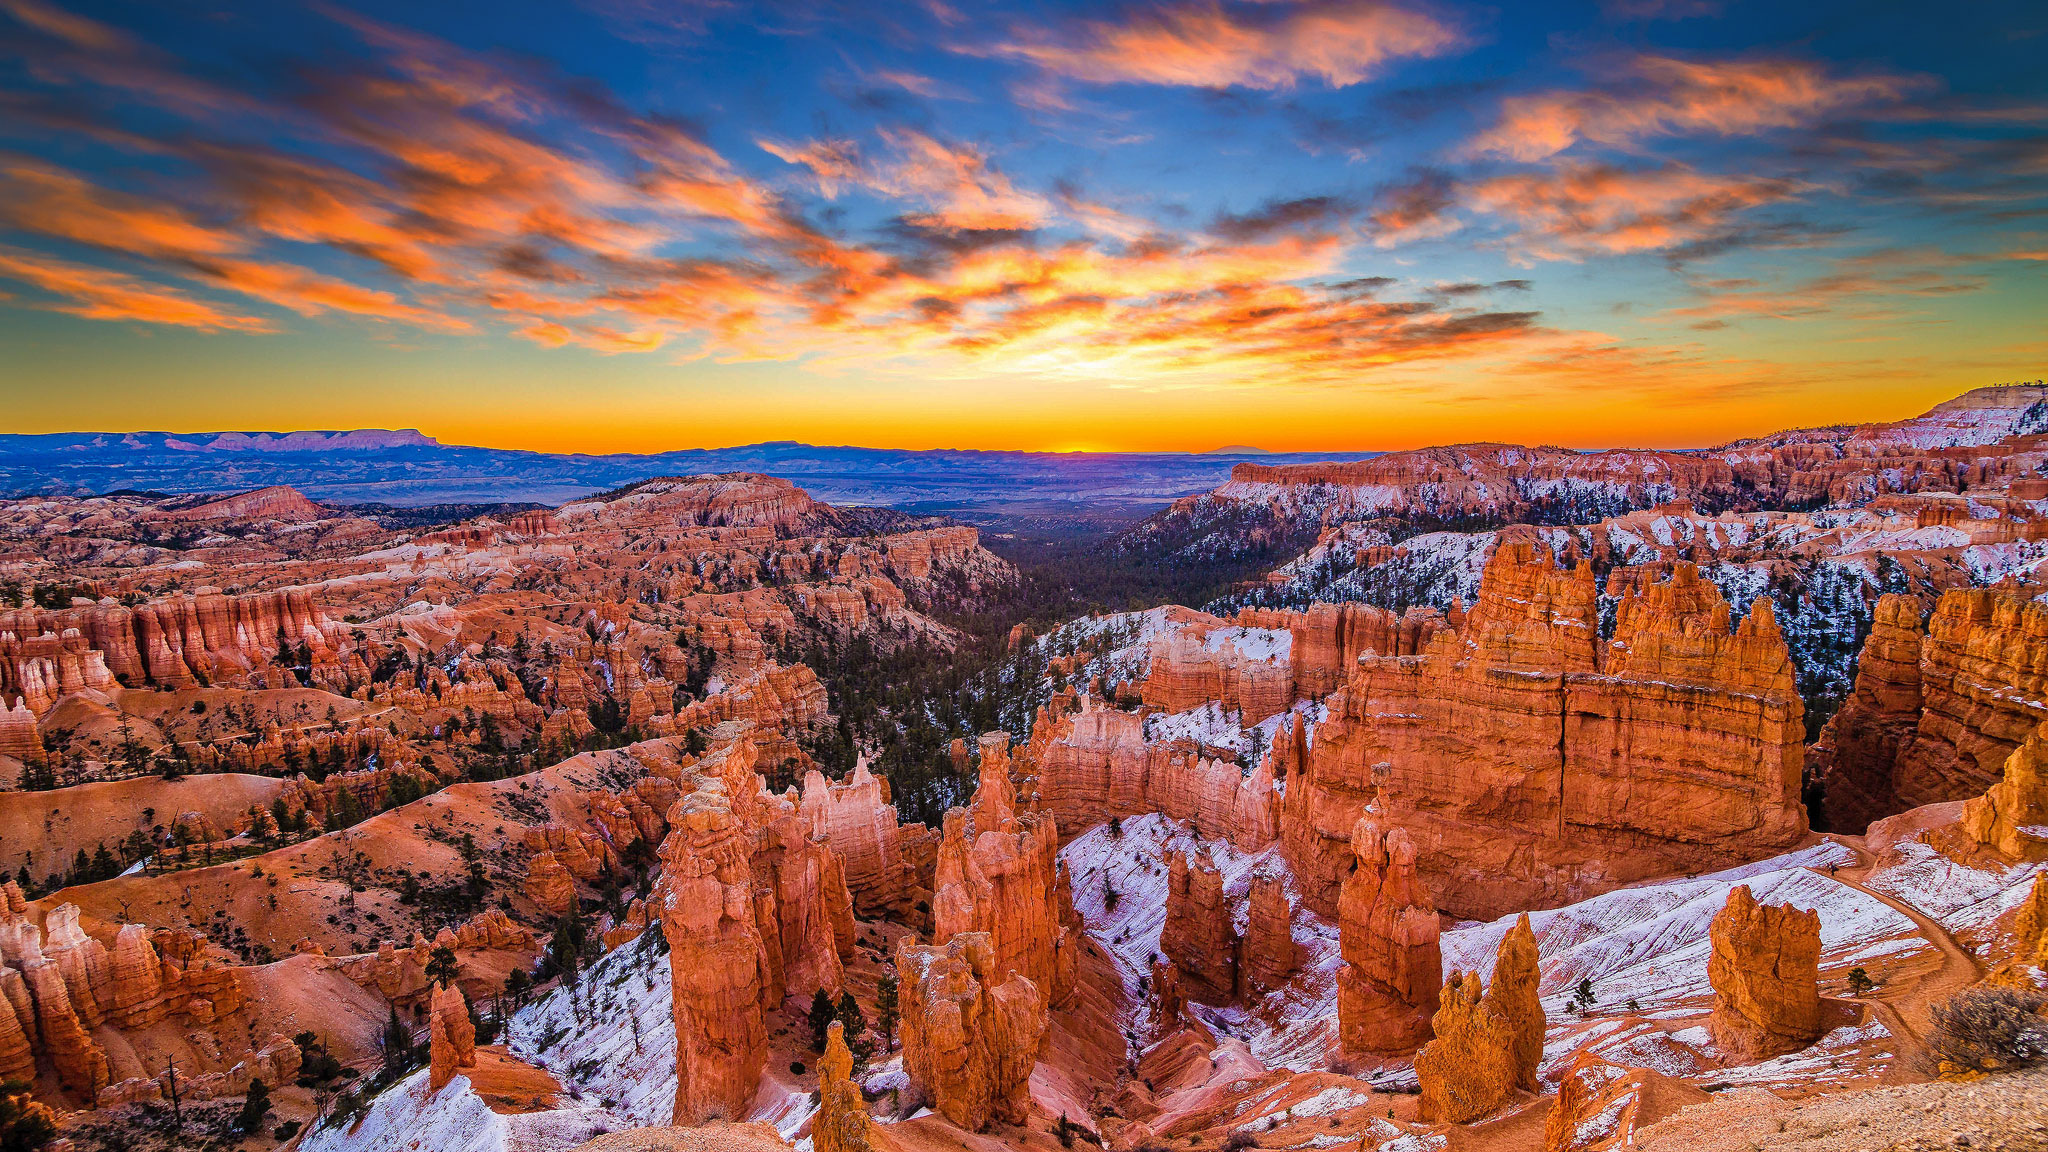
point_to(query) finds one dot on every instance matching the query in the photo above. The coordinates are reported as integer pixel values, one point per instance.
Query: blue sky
(1299, 223)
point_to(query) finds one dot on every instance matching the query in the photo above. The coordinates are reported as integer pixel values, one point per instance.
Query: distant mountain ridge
(407, 468)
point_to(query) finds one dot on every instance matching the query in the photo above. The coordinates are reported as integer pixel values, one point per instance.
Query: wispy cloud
(1645, 95)
(1210, 44)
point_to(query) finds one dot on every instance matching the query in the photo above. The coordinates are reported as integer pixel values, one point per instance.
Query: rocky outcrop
(1387, 932)
(842, 1123)
(879, 854)
(1859, 749)
(1532, 765)
(1765, 972)
(79, 1061)
(1269, 954)
(717, 958)
(970, 1033)
(2030, 924)
(1487, 1044)
(1469, 1069)
(452, 1037)
(2012, 818)
(1935, 712)
(998, 874)
(1198, 937)
(1095, 763)
(179, 642)
(549, 884)
(1515, 988)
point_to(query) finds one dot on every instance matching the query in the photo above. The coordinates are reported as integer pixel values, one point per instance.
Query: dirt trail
(1907, 1008)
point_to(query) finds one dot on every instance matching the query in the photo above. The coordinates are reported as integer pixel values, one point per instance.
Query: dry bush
(1990, 1029)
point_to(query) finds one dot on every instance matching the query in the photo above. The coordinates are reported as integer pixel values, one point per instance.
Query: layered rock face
(1488, 1043)
(1532, 764)
(1936, 711)
(1387, 932)
(452, 1038)
(970, 1034)
(1247, 670)
(2012, 817)
(1095, 763)
(880, 855)
(1765, 971)
(1198, 937)
(178, 642)
(998, 874)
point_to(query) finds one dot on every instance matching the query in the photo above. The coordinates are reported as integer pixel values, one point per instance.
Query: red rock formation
(1096, 763)
(549, 885)
(1860, 747)
(970, 1035)
(79, 1061)
(717, 959)
(1765, 971)
(1941, 730)
(1469, 1069)
(1198, 937)
(177, 642)
(876, 851)
(1269, 954)
(1387, 932)
(1202, 659)
(1003, 881)
(277, 502)
(452, 1039)
(1532, 765)
(2030, 925)
(2012, 818)
(1515, 988)
(842, 1123)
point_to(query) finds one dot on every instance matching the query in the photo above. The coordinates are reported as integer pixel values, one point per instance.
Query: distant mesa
(1237, 450)
(355, 440)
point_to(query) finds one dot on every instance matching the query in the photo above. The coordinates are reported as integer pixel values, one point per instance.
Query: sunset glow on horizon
(1304, 225)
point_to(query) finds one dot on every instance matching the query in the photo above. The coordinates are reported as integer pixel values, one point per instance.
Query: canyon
(1673, 781)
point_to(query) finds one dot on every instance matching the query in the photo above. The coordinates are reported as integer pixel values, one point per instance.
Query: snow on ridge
(1649, 943)
(409, 1116)
(612, 1037)
(1289, 1029)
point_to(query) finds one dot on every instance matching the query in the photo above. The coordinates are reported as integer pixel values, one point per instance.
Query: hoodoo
(1387, 930)
(1765, 972)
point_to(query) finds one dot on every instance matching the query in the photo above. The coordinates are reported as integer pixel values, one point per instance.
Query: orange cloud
(1663, 96)
(1587, 209)
(98, 294)
(1209, 44)
(956, 185)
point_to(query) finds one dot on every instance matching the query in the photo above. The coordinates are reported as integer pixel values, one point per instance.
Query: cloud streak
(1209, 44)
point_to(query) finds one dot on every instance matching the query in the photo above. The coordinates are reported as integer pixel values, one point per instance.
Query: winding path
(1908, 1013)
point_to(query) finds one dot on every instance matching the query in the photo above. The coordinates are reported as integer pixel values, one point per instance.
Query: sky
(635, 225)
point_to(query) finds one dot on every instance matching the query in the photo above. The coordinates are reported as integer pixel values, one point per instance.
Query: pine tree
(255, 1107)
(886, 1009)
(821, 1017)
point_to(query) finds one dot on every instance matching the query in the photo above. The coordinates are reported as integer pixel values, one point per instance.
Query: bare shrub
(1990, 1029)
